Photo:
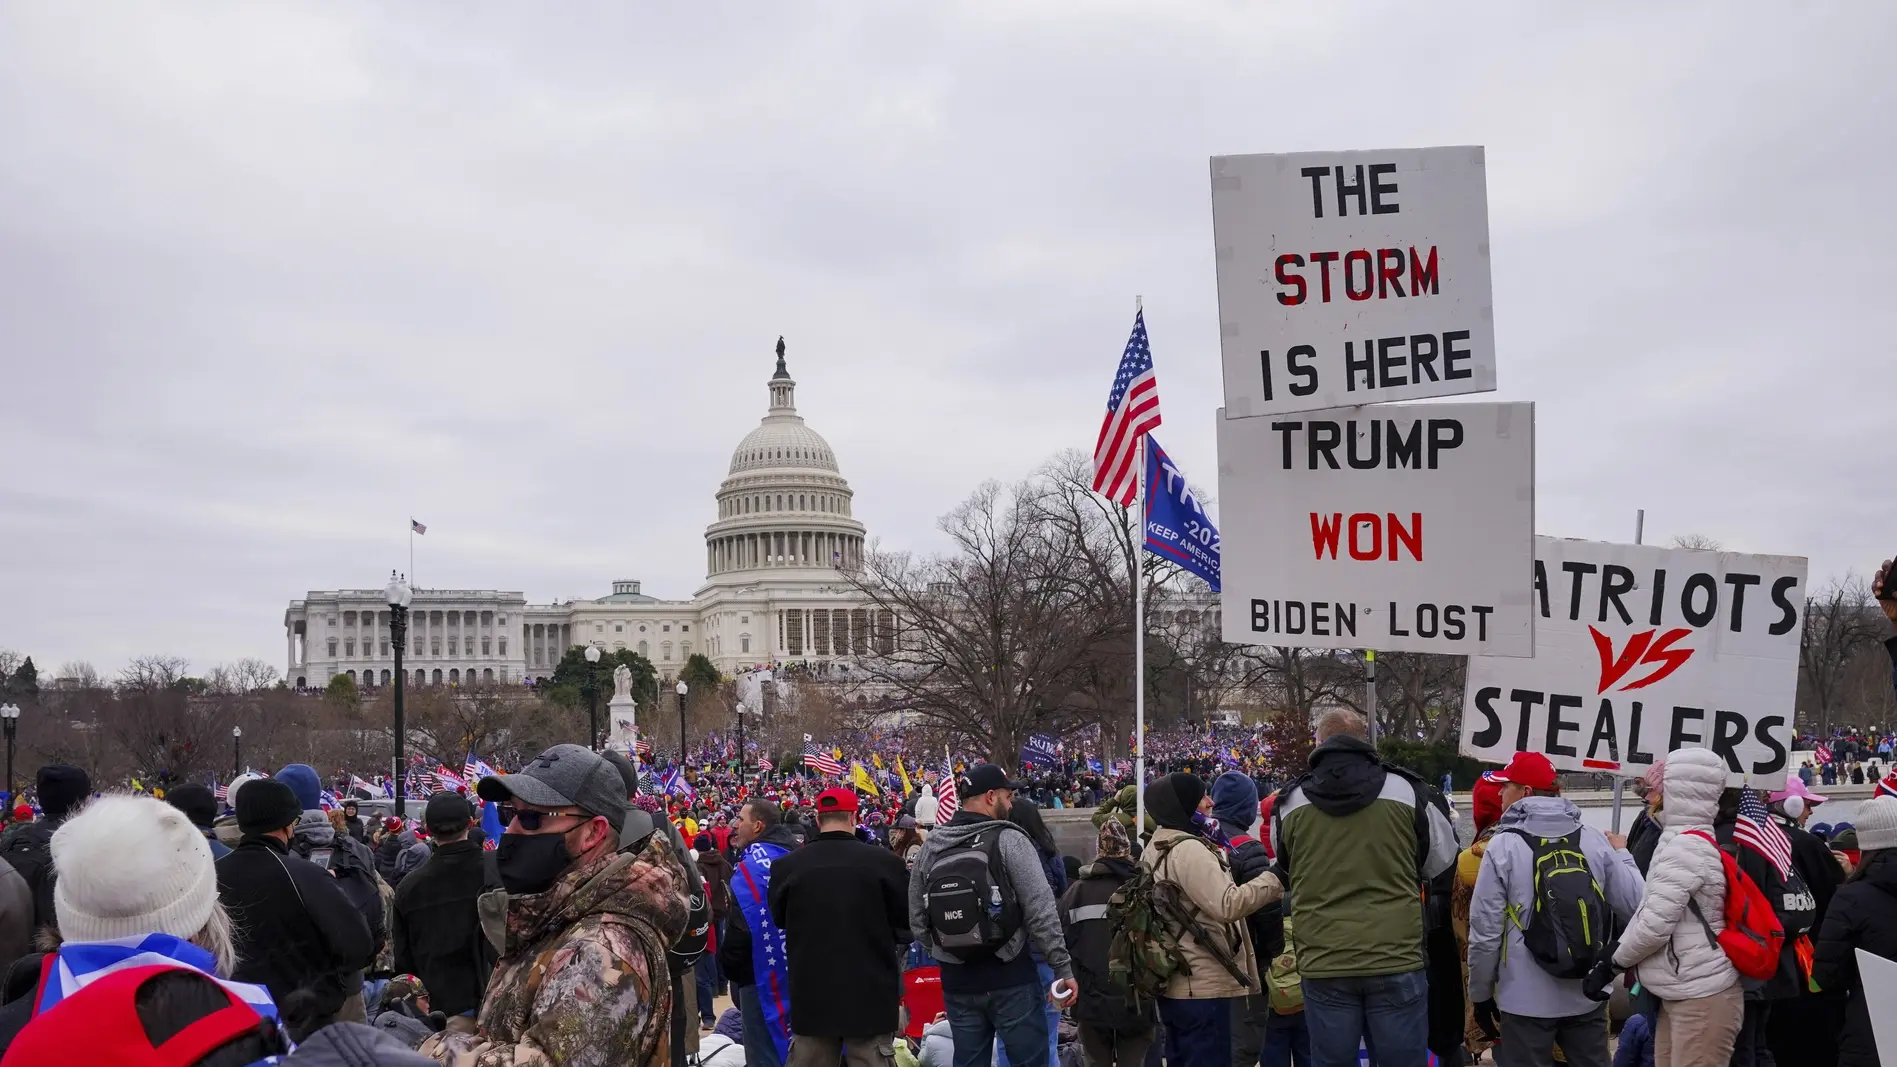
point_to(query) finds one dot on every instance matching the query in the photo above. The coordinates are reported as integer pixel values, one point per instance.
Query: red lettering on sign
(1640, 650)
(1364, 535)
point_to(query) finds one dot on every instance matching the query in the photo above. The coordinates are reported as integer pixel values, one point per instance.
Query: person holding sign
(1539, 921)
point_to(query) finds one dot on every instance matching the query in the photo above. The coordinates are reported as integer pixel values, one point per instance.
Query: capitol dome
(785, 503)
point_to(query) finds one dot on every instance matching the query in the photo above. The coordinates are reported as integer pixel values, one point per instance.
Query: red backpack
(1753, 938)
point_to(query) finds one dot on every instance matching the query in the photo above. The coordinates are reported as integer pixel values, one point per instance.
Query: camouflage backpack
(1149, 917)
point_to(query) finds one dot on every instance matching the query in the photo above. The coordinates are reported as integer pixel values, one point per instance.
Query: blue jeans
(759, 1049)
(1287, 1042)
(1197, 1031)
(1013, 1014)
(705, 970)
(1387, 1013)
(1053, 1022)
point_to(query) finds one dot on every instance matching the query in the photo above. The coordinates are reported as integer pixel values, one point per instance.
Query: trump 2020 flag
(1039, 749)
(1177, 528)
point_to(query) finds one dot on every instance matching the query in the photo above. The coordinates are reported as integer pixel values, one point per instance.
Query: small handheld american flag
(1132, 413)
(948, 798)
(1755, 829)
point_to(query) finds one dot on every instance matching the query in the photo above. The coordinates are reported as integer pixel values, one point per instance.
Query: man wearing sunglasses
(582, 977)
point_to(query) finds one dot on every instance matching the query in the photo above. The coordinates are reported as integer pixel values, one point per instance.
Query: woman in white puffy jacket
(1668, 947)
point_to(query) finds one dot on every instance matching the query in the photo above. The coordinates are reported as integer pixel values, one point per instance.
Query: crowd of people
(1334, 919)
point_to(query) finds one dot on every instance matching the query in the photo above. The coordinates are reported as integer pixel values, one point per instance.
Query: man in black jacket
(295, 928)
(436, 929)
(1112, 1032)
(1745, 832)
(352, 822)
(758, 820)
(844, 909)
(27, 847)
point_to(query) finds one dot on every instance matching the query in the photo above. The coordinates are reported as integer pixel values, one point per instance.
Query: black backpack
(29, 850)
(1568, 928)
(971, 907)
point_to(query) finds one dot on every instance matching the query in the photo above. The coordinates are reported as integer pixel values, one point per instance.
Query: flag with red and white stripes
(948, 798)
(820, 761)
(1132, 413)
(1756, 830)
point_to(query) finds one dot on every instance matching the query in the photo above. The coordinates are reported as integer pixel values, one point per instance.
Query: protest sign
(1404, 528)
(1352, 277)
(1640, 650)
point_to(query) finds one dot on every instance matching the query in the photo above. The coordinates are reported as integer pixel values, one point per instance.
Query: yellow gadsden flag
(860, 779)
(908, 787)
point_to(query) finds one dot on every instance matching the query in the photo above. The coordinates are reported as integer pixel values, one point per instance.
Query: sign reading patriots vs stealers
(1177, 528)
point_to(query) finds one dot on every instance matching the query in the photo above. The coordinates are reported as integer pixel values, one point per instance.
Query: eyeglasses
(532, 821)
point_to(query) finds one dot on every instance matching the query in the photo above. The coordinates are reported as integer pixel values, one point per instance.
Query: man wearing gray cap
(582, 976)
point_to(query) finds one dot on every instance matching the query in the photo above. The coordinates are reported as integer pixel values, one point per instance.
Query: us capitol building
(776, 589)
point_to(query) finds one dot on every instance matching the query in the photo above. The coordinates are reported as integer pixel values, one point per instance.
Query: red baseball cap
(1530, 769)
(836, 798)
(100, 1024)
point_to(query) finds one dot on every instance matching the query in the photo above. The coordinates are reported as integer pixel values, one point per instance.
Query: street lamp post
(592, 697)
(399, 597)
(681, 690)
(10, 718)
(740, 742)
(237, 751)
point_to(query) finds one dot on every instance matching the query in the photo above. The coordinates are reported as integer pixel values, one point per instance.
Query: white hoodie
(1666, 943)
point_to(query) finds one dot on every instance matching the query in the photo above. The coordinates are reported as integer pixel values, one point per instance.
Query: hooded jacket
(1202, 874)
(349, 863)
(1235, 806)
(1500, 966)
(1665, 942)
(1089, 934)
(1862, 915)
(1021, 864)
(582, 977)
(1358, 851)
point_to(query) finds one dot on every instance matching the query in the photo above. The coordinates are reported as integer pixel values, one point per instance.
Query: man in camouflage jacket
(582, 979)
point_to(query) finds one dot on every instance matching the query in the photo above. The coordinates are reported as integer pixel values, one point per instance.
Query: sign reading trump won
(1641, 650)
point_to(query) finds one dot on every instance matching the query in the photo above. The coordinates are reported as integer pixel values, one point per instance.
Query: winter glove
(1488, 1019)
(1596, 984)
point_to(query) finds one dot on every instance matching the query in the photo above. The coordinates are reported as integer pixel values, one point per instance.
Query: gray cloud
(273, 278)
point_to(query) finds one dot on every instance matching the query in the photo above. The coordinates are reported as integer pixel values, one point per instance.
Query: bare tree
(1839, 622)
(1697, 543)
(10, 660)
(78, 674)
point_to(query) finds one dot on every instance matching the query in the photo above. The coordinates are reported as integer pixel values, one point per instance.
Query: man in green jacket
(1358, 839)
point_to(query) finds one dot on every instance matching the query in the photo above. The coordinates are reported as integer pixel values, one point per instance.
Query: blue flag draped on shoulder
(770, 959)
(1177, 528)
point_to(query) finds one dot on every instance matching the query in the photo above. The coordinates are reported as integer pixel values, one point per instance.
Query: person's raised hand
(1884, 588)
(1616, 840)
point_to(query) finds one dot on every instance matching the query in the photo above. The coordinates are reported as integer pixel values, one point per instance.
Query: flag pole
(411, 551)
(1139, 649)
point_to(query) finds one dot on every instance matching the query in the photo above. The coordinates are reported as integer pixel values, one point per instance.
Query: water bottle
(994, 902)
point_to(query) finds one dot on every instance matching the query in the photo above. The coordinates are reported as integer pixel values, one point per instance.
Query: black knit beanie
(266, 805)
(61, 789)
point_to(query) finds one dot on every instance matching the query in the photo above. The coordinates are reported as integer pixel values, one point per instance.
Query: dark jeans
(705, 970)
(1197, 1031)
(1249, 1016)
(1287, 1042)
(1013, 1014)
(1114, 1048)
(1387, 1013)
(1750, 1048)
(759, 1049)
(1528, 1041)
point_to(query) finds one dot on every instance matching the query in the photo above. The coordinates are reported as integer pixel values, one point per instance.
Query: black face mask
(529, 863)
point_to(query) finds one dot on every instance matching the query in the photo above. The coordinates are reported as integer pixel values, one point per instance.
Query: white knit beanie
(130, 866)
(1876, 823)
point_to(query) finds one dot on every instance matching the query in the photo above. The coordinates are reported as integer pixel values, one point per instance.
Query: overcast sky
(274, 278)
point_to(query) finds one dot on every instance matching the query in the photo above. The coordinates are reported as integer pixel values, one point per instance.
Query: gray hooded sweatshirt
(1040, 918)
(1500, 965)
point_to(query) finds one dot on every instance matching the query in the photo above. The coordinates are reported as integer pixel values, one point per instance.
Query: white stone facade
(776, 589)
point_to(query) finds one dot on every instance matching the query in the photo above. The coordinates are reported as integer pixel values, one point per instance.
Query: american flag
(1132, 413)
(1887, 787)
(1757, 831)
(222, 792)
(764, 765)
(948, 800)
(473, 770)
(445, 780)
(820, 761)
(643, 748)
(417, 527)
